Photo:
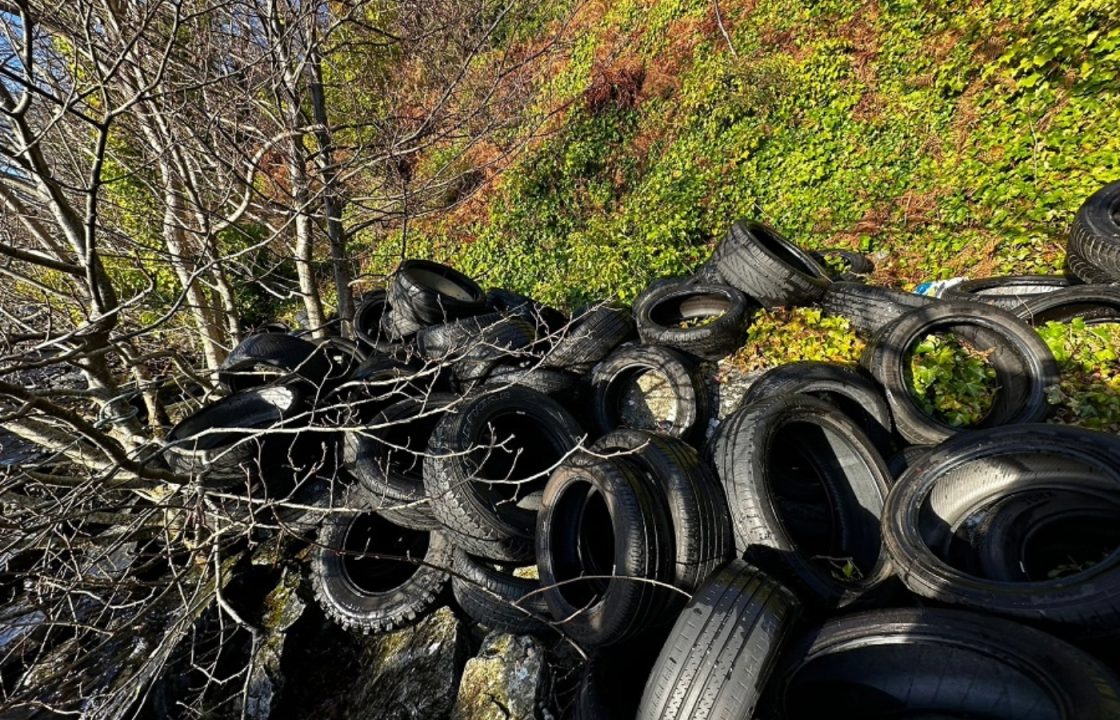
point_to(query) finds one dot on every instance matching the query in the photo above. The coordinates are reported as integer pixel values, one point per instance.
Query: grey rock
(283, 607)
(506, 681)
(410, 674)
(727, 384)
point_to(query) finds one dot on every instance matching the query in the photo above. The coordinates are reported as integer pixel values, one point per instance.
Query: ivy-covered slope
(948, 138)
(943, 138)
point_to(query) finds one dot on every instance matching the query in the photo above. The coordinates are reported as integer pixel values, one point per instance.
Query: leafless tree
(159, 161)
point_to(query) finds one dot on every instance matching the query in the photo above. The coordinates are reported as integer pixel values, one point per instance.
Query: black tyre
(387, 457)
(565, 387)
(367, 321)
(487, 465)
(707, 321)
(702, 533)
(271, 327)
(650, 388)
(1080, 268)
(1027, 536)
(492, 595)
(768, 268)
(615, 676)
(1095, 236)
(869, 308)
(473, 346)
(423, 293)
(344, 357)
(372, 576)
(602, 536)
(589, 338)
(850, 389)
(377, 383)
(229, 442)
(1093, 303)
(941, 495)
(272, 357)
(926, 663)
(1008, 292)
(722, 649)
(1025, 368)
(901, 461)
(544, 319)
(806, 488)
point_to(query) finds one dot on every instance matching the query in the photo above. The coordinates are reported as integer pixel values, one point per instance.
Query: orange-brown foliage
(615, 86)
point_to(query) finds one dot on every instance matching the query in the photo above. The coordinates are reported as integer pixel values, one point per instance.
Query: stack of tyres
(828, 547)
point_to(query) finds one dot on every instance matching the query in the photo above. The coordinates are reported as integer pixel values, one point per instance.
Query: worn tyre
(702, 534)
(487, 465)
(806, 488)
(387, 457)
(944, 491)
(1080, 268)
(377, 383)
(544, 319)
(870, 308)
(849, 388)
(852, 263)
(767, 267)
(228, 442)
(272, 357)
(602, 536)
(1024, 366)
(423, 293)
(492, 595)
(932, 663)
(367, 321)
(589, 338)
(667, 316)
(907, 456)
(1009, 292)
(722, 649)
(344, 357)
(1094, 303)
(560, 385)
(1095, 236)
(473, 346)
(1024, 536)
(676, 403)
(372, 576)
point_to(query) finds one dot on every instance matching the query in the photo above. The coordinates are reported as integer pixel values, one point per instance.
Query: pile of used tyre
(828, 550)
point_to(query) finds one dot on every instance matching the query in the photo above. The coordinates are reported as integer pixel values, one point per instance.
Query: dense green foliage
(1089, 392)
(942, 138)
(951, 380)
(933, 134)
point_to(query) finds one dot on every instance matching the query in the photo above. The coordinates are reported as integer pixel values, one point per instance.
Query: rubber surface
(939, 494)
(930, 663)
(722, 649)
(1025, 368)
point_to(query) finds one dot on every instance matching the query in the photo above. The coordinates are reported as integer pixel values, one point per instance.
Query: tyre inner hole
(831, 519)
(690, 310)
(371, 534)
(514, 448)
(1069, 544)
(784, 253)
(583, 544)
(645, 399)
(441, 284)
(951, 380)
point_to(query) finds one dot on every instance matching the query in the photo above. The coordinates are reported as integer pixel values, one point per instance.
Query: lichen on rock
(505, 681)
